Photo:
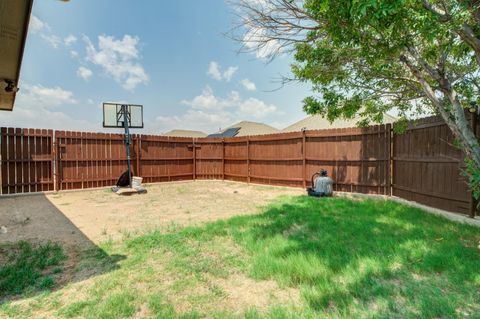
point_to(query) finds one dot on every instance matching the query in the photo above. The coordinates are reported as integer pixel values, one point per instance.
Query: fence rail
(420, 165)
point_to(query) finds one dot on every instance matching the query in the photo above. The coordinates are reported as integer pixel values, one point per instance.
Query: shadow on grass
(376, 255)
(43, 250)
(355, 258)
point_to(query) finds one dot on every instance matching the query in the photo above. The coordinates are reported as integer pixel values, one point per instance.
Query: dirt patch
(36, 218)
(69, 268)
(219, 284)
(243, 293)
(86, 218)
(233, 294)
(143, 312)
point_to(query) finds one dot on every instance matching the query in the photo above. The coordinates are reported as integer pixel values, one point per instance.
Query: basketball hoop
(124, 116)
(114, 115)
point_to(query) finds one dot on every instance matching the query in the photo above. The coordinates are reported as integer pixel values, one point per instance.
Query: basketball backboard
(113, 115)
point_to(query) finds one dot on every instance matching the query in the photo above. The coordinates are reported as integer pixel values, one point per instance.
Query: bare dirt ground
(83, 218)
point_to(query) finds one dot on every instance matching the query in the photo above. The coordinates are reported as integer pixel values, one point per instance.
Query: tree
(368, 56)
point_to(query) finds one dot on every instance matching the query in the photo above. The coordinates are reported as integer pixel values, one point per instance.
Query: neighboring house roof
(246, 128)
(317, 122)
(184, 133)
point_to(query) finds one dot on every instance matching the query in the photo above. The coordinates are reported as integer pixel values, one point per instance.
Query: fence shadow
(36, 220)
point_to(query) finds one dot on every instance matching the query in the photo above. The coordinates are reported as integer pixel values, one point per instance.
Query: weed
(182, 190)
(119, 305)
(75, 309)
(28, 267)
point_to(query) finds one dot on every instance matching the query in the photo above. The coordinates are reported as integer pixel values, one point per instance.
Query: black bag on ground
(123, 181)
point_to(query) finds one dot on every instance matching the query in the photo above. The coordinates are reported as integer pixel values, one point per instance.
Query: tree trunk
(454, 119)
(465, 133)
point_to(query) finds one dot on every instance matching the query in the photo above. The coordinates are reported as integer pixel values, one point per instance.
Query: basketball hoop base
(127, 191)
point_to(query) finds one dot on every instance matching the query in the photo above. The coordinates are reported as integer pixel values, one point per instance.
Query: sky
(172, 57)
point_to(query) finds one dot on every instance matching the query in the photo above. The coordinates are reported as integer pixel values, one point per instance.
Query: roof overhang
(14, 19)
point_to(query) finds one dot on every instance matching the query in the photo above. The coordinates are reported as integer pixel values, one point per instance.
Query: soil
(90, 217)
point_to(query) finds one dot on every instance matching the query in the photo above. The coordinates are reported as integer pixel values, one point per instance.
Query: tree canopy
(369, 56)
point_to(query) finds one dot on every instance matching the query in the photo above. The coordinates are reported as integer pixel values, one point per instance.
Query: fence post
(474, 203)
(58, 155)
(248, 159)
(194, 148)
(3, 169)
(138, 140)
(304, 154)
(223, 159)
(389, 174)
(54, 162)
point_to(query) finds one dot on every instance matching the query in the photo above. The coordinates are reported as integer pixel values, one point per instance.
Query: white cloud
(38, 106)
(248, 85)
(215, 71)
(74, 54)
(118, 59)
(256, 108)
(45, 97)
(53, 40)
(208, 101)
(256, 39)
(229, 72)
(41, 28)
(194, 120)
(69, 40)
(33, 117)
(251, 107)
(37, 25)
(209, 112)
(84, 73)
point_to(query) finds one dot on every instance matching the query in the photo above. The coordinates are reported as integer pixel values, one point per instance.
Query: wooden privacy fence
(422, 163)
(428, 168)
(27, 157)
(87, 160)
(357, 159)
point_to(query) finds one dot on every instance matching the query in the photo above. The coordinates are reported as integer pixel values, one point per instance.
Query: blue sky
(169, 56)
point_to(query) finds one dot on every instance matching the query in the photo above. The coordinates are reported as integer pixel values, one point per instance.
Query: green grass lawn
(301, 258)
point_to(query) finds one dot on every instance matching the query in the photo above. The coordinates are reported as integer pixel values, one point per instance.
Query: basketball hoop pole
(126, 118)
